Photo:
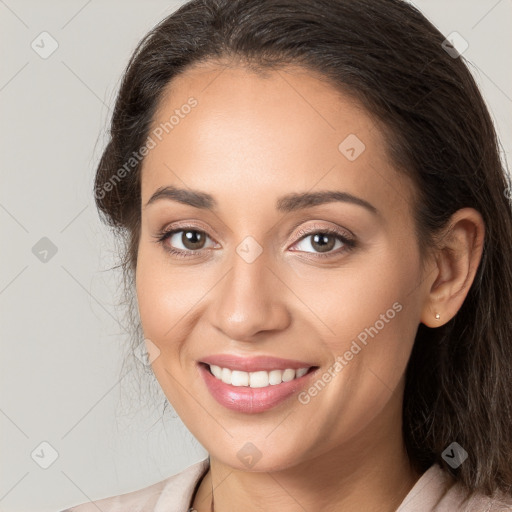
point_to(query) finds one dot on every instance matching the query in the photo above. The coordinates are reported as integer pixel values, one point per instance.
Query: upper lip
(254, 364)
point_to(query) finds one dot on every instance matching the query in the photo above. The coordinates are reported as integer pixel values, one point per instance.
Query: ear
(457, 259)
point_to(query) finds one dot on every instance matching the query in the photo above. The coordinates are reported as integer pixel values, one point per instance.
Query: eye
(324, 241)
(185, 241)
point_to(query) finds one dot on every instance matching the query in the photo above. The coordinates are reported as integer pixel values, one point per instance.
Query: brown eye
(193, 239)
(184, 241)
(323, 242)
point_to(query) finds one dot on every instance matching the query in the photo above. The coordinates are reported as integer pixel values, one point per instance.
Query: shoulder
(496, 503)
(169, 495)
(438, 491)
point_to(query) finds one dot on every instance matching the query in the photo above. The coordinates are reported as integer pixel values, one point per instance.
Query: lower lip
(251, 400)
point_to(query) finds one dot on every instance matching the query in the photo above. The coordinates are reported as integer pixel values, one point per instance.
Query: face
(249, 267)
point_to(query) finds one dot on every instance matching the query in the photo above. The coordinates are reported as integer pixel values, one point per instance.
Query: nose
(249, 300)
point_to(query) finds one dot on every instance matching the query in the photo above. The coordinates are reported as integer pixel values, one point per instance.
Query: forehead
(264, 135)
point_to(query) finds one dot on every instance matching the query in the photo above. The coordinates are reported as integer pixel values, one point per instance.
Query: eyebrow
(288, 203)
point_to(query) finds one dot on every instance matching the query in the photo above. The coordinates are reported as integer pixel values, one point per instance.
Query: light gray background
(61, 333)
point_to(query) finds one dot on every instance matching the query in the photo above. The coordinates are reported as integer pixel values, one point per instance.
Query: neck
(370, 472)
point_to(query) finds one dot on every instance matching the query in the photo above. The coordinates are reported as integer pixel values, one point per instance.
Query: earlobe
(458, 256)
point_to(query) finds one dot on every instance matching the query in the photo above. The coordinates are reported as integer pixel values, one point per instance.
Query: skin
(250, 140)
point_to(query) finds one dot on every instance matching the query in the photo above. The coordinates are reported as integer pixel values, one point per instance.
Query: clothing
(176, 493)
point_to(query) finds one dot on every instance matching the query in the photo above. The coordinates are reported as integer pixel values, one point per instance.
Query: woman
(319, 237)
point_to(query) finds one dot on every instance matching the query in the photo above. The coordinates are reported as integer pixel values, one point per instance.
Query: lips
(254, 364)
(252, 400)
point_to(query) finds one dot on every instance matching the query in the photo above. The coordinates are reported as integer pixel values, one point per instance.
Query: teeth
(260, 379)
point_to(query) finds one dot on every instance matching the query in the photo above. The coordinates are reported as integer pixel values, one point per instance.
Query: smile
(259, 379)
(255, 391)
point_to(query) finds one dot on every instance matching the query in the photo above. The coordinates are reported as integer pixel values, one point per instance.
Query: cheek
(170, 298)
(164, 301)
(372, 320)
(369, 309)
(161, 295)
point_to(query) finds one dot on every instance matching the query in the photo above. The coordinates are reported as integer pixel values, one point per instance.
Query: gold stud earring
(438, 316)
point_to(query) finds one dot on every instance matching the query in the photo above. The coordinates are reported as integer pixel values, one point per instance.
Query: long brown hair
(439, 132)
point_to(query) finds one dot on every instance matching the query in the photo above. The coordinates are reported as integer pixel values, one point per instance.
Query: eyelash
(163, 235)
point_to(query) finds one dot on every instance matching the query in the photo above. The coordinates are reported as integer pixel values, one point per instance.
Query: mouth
(256, 391)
